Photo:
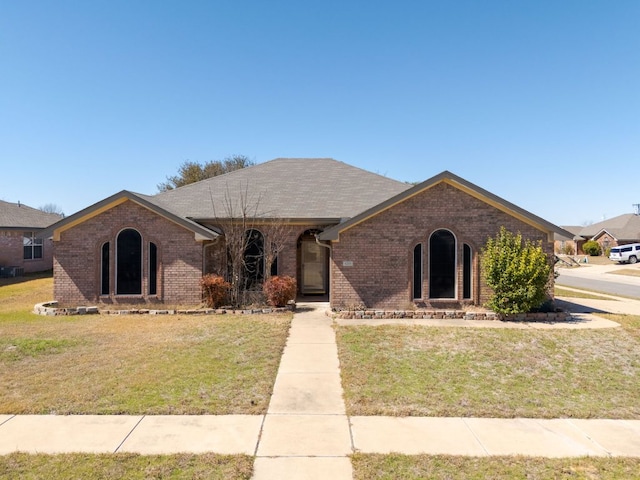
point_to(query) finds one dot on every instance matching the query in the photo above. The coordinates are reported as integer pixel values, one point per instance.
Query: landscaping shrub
(279, 290)
(518, 272)
(215, 290)
(592, 248)
(568, 249)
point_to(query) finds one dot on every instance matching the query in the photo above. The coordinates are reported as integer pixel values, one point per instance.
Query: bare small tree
(236, 217)
(52, 208)
(276, 234)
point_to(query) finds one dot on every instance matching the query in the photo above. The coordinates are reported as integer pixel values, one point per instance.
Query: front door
(314, 268)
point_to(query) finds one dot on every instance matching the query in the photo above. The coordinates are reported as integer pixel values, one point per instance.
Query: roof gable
(201, 232)
(458, 183)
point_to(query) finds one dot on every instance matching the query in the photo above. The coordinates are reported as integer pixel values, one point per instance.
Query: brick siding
(77, 262)
(372, 262)
(12, 252)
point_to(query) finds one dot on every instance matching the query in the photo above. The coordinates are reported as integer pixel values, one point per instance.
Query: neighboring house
(358, 237)
(22, 250)
(568, 244)
(609, 233)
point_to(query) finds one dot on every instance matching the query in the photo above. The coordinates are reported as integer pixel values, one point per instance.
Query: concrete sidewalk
(306, 433)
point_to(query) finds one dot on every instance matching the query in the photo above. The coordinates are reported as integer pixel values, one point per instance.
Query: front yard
(225, 364)
(474, 372)
(133, 364)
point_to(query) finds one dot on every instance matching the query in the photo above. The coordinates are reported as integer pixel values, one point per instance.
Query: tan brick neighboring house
(21, 249)
(358, 237)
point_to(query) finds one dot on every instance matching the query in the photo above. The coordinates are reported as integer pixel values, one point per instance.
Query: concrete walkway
(306, 433)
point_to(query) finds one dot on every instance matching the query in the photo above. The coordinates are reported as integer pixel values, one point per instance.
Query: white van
(625, 253)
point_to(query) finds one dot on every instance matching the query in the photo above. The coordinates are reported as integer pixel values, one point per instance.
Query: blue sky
(535, 101)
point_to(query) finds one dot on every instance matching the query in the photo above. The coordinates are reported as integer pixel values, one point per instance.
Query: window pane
(129, 263)
(153, 269)
(442, 265)
(37, 251)
(466, 273)
(253, 259)
(417, 271)
(104, 288)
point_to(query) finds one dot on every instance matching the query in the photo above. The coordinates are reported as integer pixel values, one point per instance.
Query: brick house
(358, 237)
(609, 233)
(21, 248)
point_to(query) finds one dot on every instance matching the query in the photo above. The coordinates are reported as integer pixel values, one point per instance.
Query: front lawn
(21, 466)
(133, 364)
(475, 372)
(418, 467)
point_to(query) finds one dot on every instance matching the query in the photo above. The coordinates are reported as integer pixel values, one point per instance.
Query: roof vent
(636, 208)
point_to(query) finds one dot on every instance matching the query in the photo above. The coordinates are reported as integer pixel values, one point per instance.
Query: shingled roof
(20, 216)
(291, 188)
(622, 227)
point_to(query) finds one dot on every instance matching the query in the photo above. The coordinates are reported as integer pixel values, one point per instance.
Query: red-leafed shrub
(215, 290)
(279, 290)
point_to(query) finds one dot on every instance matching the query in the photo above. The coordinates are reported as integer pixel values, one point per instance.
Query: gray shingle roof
(294, 188)
(14, 215)
(622, 227)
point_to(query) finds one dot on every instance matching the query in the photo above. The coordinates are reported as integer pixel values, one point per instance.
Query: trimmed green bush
(592, 248)
(517, 271)
(280, 290)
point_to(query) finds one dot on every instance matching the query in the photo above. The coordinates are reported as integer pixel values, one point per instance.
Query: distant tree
(52, 208)
(191, 172)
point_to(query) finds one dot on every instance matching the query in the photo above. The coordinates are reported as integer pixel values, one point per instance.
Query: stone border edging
(51, 309)
(450, 314)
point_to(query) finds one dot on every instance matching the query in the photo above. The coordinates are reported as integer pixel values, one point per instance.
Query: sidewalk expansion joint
(475, 436)
(129, 434)
(7, 420)
(589, 437)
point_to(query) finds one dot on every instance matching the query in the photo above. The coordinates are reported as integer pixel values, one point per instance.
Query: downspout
(328, 247)
(323, 244)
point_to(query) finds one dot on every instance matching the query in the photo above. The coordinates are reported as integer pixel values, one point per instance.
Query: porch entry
(313, 266)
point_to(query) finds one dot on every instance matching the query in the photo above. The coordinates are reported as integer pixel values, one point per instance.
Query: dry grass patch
(565, 292)
(135, 364)
(633, 272)
(20, 466)
(391, 467)
(469, 372)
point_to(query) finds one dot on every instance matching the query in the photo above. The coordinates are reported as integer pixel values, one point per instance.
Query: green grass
(392, 467)
(474, 372)
(133, 364)
(20, 466)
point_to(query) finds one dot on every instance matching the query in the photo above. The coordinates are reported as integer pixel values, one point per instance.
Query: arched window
(417, 271)
(466, 271)
(129, 263)
(153, 269)
(253, 258)
(105, 270)
(442, 265)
